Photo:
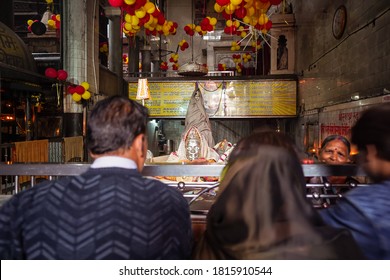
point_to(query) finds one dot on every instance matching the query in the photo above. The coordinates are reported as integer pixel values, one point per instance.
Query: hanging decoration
(103, 47)
(246, 18)
(54, 23)
(138, 14)
(48, 21)
(78, 92)
(206, 25)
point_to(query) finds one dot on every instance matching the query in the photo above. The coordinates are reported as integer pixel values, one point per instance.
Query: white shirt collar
(114, 161)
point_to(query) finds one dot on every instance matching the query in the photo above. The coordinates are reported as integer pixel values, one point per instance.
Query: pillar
(133, 66)
(80, 24)
(146, 56)
(115, 48)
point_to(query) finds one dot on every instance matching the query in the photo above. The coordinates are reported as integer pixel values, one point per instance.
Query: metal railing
(191, 190)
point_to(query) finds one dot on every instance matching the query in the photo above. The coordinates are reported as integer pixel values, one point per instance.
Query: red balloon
(161, 19)
(240, 12)
(222, 2)
(275, 2)
(79, 89)
(71, 89)
(139, 3)
(51, 73)
(115, 3)
(62, 75)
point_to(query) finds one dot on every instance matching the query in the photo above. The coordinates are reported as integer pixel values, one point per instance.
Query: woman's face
(335, 152)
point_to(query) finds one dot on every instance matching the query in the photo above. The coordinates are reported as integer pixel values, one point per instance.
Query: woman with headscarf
(261, 211)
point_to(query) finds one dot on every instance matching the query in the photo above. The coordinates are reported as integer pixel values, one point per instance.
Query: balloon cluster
(79, 91)
(206, 25)
(251, 12)
(54, 22)
(174, 59)
(164, 66)
(222, 67)
(125, 59)
(103, 47)
(236, 58)
(30, 23)
(52, 73)
(189, 29)
(237, 61)
(143, 13)
(246, 57)
(235, 46)
(183, 44)
(231, 27)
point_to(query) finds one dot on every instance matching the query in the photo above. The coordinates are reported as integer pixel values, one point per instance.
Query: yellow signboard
(251, 98)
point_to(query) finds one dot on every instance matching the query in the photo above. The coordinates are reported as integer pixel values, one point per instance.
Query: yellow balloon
(250, 11)
(130, 2)
(86, 95)
(263, 19)
(229, 9)
(166, 28)
(29, 22)
(150, 7)
(128, 18)
(85, 85)
(140, 13)
(58, 17)
(218, 8)
(150, 21)
(127, 26)
(76, 97)
(134, 20)
(213, 21)
(236, 2)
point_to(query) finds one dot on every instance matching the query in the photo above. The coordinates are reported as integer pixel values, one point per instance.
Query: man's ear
(138, 144)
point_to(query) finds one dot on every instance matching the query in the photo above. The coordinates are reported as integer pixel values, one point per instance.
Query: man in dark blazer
(108, 212)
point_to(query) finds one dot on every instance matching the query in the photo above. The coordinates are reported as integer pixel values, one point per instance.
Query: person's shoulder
(370, 196)
(377, 189)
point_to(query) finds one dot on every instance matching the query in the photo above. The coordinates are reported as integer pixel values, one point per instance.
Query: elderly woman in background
(261, 211)
(335, 149)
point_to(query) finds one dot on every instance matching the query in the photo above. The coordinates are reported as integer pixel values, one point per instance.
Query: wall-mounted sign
(251, 98)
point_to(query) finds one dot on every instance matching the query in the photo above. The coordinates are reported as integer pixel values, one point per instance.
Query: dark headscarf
(261, 213)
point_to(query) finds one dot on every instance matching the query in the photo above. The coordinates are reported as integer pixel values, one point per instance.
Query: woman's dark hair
(247, 145)
(373, 127)
(113, 124)
(330, 138)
